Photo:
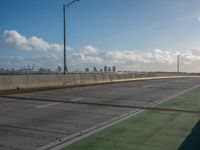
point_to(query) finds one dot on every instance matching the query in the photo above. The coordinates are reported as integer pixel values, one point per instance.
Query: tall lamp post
(65, 7)
(178, 61)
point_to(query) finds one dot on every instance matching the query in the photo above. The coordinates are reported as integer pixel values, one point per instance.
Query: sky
(135, 35)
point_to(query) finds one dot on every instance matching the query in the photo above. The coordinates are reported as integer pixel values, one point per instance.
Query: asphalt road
(32, 120)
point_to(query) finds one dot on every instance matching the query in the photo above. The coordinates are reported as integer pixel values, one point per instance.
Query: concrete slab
(24, 125)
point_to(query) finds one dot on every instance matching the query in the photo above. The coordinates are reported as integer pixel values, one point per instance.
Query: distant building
(101, 70)
(87, 70)
(95, 69)
(114, 69)
(105, 69)
(109, 69)
(44, 71)
(59, 70)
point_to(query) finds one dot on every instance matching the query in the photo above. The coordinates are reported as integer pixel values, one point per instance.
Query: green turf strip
(152, 130)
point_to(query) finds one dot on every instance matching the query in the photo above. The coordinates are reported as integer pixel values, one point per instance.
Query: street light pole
(65, 7)
(178, 61)
(65, 64)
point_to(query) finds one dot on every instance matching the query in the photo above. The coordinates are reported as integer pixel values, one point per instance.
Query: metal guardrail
(135, 73)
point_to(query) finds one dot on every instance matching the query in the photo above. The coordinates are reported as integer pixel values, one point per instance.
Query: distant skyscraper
(114, 69)
(105, 69)
(95, 69)
(109, 69)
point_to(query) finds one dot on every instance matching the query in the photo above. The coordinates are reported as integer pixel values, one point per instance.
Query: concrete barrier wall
(47, 81)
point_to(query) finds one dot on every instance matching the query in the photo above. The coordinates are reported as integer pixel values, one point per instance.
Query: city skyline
(132, 35)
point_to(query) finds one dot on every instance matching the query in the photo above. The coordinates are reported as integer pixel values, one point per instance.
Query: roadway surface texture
(36, 120)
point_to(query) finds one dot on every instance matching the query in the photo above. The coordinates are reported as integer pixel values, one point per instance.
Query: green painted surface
(152, 130)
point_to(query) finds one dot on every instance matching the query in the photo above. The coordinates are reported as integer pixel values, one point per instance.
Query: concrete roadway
(31, 120)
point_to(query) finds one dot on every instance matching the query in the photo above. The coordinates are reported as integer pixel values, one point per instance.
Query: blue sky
(107, 25)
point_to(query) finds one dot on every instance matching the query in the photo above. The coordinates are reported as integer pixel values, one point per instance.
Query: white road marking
(74, 100)
(43, 106)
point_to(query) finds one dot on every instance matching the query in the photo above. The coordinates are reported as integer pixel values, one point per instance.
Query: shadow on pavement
(192, 142)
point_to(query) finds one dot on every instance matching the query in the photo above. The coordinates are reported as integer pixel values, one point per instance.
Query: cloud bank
(155, 60)
(90, 56)
(14, 39)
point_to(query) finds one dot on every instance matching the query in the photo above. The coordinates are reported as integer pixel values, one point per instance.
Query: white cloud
(195, 51)
(88, 49)
(14, 39)
(199, 18)
(82, 58)
(156, 56)
(39, 43)
(51, 62)
(58, 47)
